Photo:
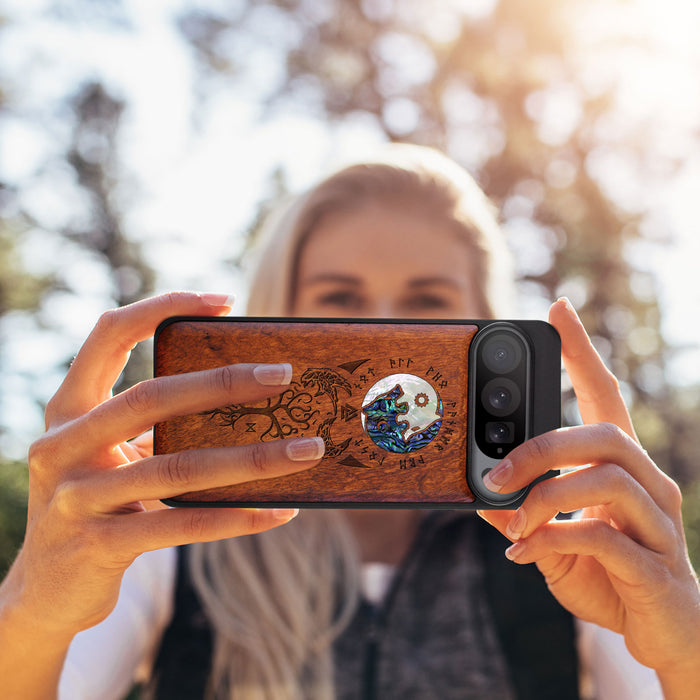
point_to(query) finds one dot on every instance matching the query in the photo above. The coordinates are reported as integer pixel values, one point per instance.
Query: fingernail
(305, 449)
(274, 375)
(515, 550)
(517, 525)
(569, 306)
(285, 514)
(499, 476)
(218, 299)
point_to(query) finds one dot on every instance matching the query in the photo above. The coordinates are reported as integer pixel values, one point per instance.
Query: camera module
(514, 368)
(501, 389)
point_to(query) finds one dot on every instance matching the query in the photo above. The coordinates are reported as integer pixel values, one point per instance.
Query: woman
(412, 236)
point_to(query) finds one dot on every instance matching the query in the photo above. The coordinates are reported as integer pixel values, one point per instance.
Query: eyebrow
(333, 277)
(417, 283)
(433, 281)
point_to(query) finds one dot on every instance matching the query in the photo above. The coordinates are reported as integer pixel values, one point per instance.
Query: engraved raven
(328, 382)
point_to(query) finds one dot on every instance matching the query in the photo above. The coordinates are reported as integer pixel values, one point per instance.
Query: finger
(102, 357)
(131, 452)
(143, 444)
(614, 550)
(155, 400)
(596, 388)
(156, 529)
(166, 476)
(138, 448)
(497, 518)
(579, 445)
(606, 486)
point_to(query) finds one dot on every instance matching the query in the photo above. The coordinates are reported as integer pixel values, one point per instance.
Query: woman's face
(385, 261)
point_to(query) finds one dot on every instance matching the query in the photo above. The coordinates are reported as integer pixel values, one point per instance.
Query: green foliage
(691, 521)
(14, 483)
(18, 289)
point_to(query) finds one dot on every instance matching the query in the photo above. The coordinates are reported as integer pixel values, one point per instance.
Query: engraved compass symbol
(402, 413)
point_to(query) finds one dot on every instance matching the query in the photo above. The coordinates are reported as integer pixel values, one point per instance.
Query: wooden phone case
(389, 399)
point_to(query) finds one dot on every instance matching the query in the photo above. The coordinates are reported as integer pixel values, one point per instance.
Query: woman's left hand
(623, 564)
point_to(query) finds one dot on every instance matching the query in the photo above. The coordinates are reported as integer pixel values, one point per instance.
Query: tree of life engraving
(309, 404)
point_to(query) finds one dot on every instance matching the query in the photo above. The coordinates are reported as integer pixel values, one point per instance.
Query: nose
(383, 308)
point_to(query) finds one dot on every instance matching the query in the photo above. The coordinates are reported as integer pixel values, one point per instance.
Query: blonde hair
(277, 600)
(416, 176)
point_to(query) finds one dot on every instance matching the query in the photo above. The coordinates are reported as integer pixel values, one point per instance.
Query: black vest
(534, 635)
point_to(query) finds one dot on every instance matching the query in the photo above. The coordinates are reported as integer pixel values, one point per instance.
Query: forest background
(140, 143)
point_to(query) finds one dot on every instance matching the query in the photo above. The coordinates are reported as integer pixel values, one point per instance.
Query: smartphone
(413, 413)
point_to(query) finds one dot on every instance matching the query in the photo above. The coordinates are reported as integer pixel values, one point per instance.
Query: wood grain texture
(342, 372)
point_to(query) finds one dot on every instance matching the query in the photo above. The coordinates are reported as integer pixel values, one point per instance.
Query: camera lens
(499, 432)
(502, 353)
(500, 396)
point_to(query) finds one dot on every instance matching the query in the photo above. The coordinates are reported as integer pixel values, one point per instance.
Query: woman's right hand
(88, 516)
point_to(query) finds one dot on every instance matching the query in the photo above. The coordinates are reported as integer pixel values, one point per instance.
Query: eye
(341, 299)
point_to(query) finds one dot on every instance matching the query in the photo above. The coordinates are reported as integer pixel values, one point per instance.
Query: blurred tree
(691, 519)
(13, 510)
(94, 156)
(18, 291)
(502, 88)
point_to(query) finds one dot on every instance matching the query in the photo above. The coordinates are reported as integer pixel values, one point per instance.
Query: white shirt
(104, 661)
